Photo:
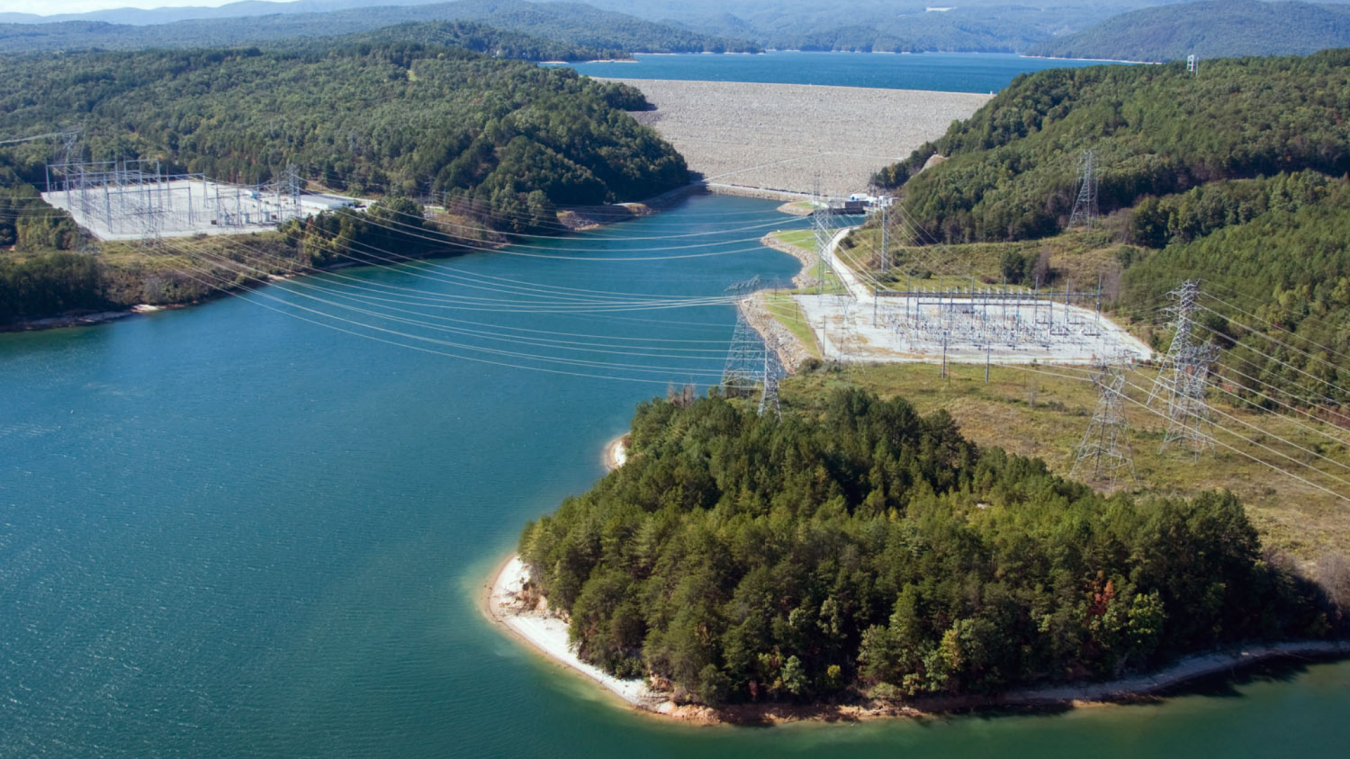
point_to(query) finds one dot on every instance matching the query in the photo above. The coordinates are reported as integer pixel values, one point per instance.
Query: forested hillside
(1273, 256)
(1012, 168)
(746, 558)
(1236, 177)
(402, 118)
(1219, 28)
(480, 38)
(571, 26)
(392, 120)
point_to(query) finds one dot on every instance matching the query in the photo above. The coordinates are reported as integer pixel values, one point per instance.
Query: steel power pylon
(751, 360)
(1085, 206)
(745, 356)
(1105, 455)
(773, 372)
(1184, 375)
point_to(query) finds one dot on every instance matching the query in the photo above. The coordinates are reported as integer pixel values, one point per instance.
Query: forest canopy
(1013, 167)
(743, 558)
(1213, 29)
(568, 26)
(403, 118)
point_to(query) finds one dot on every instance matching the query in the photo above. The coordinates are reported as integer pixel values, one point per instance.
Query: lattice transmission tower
(773, 372)
(1184, 375)
(822, 224)
(1104, 455)
(1085, 206)
(751, 360)
(745, 356)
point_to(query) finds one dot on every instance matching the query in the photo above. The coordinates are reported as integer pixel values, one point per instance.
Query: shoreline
(547, 635)
(616, 453)
(575, 218)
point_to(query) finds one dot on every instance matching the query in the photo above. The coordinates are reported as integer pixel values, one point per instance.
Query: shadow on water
(1228, 684)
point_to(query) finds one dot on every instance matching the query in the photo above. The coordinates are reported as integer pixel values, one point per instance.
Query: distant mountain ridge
(1212, 29)
(579, 26)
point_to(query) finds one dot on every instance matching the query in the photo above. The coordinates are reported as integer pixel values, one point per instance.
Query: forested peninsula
(502, 143)
(863, 551)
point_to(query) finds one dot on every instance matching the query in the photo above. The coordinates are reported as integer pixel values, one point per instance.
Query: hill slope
(403, 117)
(578, 26)
(1207, 29)
(1012, 168)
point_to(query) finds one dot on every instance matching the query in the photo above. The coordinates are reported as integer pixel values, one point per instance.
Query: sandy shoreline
(547, 634)
(616, 453)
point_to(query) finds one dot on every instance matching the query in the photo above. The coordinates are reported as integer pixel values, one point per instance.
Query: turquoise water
(228, 532)
(942, 72)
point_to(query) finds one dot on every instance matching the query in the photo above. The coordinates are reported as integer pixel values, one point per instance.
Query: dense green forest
(1012, 171)
(1235, 177)
(880, 25)
(1007, 29)
(402, 118)
(503, 142)
(577, 30)
(744, 557)
(480, 38)
(1219, 28)
(1274, 260)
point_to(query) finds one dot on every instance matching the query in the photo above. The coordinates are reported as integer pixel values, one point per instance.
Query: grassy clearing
(805, 241)
(1081, 257)
(1045, 416)
(782, 307)
(799, 238)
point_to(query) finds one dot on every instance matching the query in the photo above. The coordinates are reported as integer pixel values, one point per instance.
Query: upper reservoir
(942, 72)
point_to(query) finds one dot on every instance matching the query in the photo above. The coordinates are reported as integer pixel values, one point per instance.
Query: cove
(225, 531)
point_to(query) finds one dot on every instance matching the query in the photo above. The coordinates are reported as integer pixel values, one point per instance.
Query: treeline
(480, 38)
(49, 283)
(558, 30)
(54, 269)
(402, 118)
(1219, 28)
(743, 558)
(1012, 171)
(1274, 262)
(1005, 29)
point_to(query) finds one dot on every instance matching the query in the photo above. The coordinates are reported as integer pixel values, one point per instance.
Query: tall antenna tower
(1105, 455)
(1085, 207)
(1184, 375)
